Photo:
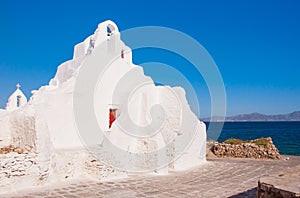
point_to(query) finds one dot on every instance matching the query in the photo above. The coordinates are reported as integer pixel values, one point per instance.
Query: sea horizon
(283, 133)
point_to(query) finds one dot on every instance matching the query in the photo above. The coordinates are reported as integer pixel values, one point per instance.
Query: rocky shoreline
(262, 148)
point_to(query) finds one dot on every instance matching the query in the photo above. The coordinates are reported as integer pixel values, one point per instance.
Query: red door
(112, 116)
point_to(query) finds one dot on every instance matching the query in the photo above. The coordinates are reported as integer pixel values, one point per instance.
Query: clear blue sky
(256, 44)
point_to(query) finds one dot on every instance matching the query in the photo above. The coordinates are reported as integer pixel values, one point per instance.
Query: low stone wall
(14, 164)
(23, 170)
(17, 170)
(284, 183)
(249, 149)
(269, 191)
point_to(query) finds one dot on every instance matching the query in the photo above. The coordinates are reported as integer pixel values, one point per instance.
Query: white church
(102, 123)
(16, 100)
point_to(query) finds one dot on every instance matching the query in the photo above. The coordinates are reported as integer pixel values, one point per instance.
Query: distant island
(294, 116)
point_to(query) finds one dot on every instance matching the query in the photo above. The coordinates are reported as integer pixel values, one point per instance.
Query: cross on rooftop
(18, 86)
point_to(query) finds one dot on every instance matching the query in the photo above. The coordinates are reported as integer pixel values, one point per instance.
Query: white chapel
(16, 100)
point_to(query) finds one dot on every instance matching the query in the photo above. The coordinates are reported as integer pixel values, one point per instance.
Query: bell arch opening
(110, 29)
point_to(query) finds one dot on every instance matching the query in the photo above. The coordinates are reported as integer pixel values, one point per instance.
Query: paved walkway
(216, 178)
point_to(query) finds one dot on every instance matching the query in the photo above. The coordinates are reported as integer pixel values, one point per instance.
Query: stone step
(285, 183)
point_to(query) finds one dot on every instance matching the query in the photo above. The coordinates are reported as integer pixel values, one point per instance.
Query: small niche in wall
(122, 54)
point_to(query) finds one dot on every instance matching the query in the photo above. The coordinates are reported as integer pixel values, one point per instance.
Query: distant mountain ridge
(294, 116)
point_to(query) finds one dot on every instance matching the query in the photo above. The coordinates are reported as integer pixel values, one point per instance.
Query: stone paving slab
(285, 182)
(221, 177)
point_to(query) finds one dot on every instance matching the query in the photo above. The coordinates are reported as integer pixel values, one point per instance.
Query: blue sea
(285, 135)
